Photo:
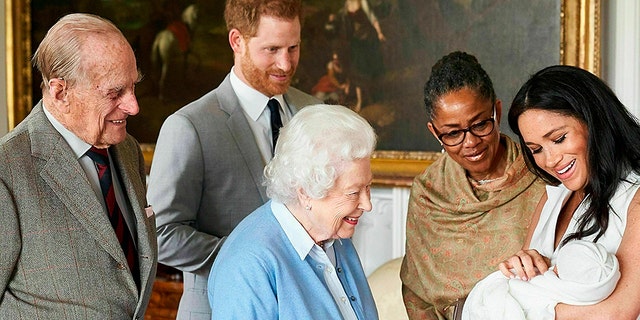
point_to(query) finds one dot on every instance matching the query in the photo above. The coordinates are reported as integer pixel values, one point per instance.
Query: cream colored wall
(621, 49)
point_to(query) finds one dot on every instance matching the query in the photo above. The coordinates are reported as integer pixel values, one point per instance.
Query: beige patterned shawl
(454, 239)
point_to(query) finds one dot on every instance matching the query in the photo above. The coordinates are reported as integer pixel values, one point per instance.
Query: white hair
(61, 52)
(312, 148)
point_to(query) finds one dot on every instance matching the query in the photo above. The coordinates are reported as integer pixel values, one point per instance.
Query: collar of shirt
(299, 238)
(252, 101)
(78, 146)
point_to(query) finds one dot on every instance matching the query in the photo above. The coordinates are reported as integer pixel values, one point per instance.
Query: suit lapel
(291, 104)
(242, 134)
(62, 172)
(125, 161)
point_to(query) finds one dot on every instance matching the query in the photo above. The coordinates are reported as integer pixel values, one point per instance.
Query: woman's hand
(525, 265)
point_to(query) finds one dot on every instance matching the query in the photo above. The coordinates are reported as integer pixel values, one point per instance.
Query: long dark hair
(613, 134)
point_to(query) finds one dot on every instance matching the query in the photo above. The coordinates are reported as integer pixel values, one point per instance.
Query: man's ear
(58, 92)
(58, 89)
(236, 40)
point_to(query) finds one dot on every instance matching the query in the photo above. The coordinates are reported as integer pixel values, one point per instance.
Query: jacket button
(353, 298)
(121, 266)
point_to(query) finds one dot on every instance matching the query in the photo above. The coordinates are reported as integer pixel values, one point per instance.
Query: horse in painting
(171, 43)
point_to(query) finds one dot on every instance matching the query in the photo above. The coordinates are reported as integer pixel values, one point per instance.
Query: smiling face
(100, 104)
(558, 144)
(336, 215)
(268, 61)
(480, 156)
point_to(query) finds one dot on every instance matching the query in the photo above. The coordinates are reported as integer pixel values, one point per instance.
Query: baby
(583, 273)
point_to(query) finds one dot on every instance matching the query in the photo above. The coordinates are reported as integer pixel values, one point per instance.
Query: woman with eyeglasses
(470, 209)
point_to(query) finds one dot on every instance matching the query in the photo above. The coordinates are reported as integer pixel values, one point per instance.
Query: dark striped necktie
(276, 121)
(101, 159)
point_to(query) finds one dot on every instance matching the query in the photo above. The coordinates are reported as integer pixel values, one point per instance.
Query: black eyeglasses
(480, 129)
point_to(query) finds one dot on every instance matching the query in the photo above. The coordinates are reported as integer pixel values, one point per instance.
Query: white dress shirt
(254, 105)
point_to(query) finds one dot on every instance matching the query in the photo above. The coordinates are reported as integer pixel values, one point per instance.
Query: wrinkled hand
(525, 264)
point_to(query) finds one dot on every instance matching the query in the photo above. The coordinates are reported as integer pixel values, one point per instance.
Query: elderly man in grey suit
(76, 238)
(206, 173)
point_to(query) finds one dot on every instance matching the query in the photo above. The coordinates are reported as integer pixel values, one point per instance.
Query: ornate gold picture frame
(579, 45)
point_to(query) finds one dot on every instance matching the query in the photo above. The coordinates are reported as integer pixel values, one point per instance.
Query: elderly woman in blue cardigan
(293, 257)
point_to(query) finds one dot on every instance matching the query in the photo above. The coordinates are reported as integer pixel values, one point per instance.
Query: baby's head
(584, 262)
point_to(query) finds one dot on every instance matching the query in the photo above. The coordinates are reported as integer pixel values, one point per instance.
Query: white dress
(543, 236)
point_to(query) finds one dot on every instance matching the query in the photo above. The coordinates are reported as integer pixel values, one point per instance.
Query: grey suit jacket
(60, 257)
(206, 176)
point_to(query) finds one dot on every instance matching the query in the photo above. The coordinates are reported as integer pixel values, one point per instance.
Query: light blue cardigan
(259, 275)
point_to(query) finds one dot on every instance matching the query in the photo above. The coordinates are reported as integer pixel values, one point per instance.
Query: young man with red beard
(207, 169)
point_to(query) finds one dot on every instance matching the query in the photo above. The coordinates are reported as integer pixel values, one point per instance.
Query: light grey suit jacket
(206, 176)
(60, 257)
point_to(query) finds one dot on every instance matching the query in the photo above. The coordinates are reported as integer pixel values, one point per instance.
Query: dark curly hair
(453, 72)
(613, 150)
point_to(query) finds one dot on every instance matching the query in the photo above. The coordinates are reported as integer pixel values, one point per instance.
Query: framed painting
(377, 68)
